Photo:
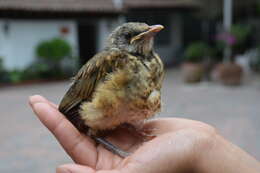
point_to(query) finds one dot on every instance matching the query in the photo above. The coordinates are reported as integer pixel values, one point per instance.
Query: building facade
(23, 24)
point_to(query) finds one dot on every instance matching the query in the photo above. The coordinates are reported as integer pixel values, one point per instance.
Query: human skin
(180, 145)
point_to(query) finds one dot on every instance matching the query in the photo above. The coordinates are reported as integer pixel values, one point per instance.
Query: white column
(227, 22)
(119, 4)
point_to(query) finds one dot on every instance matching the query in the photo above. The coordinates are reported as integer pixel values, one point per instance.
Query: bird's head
(134, 37)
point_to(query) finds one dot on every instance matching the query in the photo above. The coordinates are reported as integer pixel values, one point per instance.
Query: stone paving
(27, 146)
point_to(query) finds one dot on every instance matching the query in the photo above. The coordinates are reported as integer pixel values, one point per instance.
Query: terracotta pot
(228, 73)
(192, 72)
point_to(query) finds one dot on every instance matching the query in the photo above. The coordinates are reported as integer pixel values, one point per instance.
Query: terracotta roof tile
(59, 5)
(91, 5)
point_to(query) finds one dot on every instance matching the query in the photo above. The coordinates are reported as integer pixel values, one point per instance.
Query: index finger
(81, 148)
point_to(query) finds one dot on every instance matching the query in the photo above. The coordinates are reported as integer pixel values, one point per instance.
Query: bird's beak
(154, 29)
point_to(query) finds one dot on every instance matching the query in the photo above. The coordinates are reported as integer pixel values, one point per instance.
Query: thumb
(74, 168)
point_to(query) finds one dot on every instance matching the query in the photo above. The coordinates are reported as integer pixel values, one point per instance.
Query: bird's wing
(88, 77)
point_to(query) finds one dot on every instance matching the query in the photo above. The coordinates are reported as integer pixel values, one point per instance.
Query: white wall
(105, 27)
(18, 46)
(4, 43)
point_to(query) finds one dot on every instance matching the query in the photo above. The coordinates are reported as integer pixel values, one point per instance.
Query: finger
(74, 168)
(38, 98)
(81, 149)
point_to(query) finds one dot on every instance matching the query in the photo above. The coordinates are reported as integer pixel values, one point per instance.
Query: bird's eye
(128, 36)
(137, 33)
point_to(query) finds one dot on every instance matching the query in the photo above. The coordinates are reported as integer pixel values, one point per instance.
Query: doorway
(87, 36)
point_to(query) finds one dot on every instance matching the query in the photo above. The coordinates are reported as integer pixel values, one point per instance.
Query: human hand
(179, 146)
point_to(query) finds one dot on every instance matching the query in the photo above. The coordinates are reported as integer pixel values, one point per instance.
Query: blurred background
(211, 50)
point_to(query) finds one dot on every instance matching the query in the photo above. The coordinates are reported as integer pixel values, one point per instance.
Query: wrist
(222, 156)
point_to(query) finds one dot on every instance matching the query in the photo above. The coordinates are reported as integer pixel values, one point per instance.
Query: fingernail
(35, 99)
(30, 100)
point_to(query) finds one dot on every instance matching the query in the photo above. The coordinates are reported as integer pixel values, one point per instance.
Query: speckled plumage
(119, 85)
(129, 94)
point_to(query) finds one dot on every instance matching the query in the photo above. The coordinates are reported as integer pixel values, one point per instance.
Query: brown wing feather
(85, 82)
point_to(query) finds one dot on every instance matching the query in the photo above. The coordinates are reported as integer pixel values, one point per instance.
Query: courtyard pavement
(27, 146)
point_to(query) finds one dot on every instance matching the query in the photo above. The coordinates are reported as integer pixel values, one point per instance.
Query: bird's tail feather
(73, 116)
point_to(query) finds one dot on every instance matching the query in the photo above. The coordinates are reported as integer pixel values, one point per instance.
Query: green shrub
(53, 50)
(4, 76)
(1, 65)
(50, 54)
(36, 71)
(241, 33)
(15, 76)
(258, 7)
(2, 68)
(42, 70)
(197, 52)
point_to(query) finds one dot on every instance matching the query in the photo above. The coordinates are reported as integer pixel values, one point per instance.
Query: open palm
(173, 148)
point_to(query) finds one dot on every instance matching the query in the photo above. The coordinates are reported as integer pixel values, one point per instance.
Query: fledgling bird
(119, 85)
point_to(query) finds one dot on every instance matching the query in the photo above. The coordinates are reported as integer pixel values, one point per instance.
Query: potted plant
(193, 67)
(51, 53)
(229, 72)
